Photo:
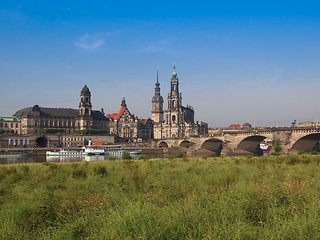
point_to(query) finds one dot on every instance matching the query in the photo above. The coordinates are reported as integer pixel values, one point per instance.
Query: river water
(43, 158)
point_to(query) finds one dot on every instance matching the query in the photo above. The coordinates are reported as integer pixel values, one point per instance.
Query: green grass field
(215, 198)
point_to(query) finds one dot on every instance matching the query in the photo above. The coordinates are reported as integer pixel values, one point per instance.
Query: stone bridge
(244, 142)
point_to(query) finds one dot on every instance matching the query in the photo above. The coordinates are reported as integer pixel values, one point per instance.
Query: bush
(314, 153)
(111, 157)
(301, 152)
(100, 171)
(126, 156)
(180, 155)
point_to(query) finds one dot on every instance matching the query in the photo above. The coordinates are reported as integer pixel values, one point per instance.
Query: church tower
(174, 112)
(85, 109)
(157, 104)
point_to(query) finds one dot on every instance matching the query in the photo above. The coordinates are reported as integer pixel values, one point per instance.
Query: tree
(277, 146)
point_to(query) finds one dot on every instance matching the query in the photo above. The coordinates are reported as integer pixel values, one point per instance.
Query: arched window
(173, 103)
(174, 87)
(173, 118)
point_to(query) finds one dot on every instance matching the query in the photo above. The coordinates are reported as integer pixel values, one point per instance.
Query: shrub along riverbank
(215, 198)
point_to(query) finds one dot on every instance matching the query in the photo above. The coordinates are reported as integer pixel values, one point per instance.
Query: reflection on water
(56, 159)
(40, 159)
(21, 159)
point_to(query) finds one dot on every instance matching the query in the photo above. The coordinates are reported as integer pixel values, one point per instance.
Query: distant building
(234, 127)
(127, 127)
(179, 120)
(309, 124)
(247, 126)
(66, 120)
(9, 124)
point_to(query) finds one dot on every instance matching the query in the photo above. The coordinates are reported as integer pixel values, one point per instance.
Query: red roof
(117, 116)
(235, 126)
(144, 121)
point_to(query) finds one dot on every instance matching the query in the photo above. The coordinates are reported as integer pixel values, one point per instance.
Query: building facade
(64, 120)
(126, 127)
(179, 120)
(9, 124)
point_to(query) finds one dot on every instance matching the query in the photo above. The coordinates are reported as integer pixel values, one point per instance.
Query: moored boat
(63, 152)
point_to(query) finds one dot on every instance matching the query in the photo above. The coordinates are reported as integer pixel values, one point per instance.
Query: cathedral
(179, 120)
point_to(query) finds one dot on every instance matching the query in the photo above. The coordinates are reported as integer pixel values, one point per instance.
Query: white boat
(94, 150)
(63, 152)
(118, 150)
(114, 150)
(265, 147)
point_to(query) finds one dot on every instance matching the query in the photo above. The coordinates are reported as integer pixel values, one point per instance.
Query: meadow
(274, 197)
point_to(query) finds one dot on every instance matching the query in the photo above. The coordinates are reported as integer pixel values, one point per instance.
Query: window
(173, 103)
(12, 125)
(174, 118)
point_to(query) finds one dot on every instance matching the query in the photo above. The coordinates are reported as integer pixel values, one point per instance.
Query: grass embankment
(216, 198)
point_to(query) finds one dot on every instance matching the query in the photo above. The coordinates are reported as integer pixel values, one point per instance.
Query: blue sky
(237, 61)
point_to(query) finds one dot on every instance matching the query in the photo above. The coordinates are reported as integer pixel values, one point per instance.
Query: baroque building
(66, 120)
(179, 120)
(9, 124)
(126, 127)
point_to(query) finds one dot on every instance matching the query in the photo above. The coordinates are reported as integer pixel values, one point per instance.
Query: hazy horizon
(237, 62)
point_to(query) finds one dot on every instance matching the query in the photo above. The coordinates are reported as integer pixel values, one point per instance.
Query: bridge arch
(307, 143)
(42, 142)
(252, 144)
(213, 145)
(163, 144)
(186, 144)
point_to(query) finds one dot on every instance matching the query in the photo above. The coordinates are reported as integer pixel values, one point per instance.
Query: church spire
(157, 103)
(157, 75)
(174, 74)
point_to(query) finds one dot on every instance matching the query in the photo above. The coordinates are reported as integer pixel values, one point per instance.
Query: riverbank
(182, 198)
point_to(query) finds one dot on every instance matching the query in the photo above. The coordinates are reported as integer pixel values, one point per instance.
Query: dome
(157, 98)
(174, 74)
(85, 90)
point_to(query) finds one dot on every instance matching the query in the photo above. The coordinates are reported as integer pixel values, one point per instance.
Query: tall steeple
(174, 98)
(157, 103)
(174, 114)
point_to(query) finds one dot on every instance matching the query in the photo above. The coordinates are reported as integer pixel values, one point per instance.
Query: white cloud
(89, 42)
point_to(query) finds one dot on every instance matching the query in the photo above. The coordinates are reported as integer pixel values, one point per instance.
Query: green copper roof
(174, 74)
(9, 119)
